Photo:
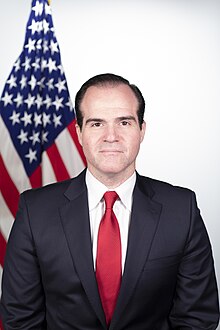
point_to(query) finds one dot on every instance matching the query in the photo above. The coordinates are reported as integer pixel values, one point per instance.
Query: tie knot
(110, 198)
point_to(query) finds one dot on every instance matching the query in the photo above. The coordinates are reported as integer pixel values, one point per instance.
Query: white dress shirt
(121, 208)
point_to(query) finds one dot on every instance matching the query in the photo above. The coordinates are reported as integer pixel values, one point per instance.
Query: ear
(79, 133)
(143, 130)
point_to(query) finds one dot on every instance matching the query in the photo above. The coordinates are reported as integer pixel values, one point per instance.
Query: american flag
(38, 142)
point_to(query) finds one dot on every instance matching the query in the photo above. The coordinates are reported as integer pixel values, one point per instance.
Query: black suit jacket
(49, 280)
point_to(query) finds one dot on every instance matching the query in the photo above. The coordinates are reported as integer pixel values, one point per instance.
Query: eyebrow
(127, 118)
(100, 120)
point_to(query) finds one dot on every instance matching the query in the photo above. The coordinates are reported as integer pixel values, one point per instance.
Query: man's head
(108, 79)
(110, 127)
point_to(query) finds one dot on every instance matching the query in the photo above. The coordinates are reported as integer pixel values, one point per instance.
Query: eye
(124, 123)
(96, 124)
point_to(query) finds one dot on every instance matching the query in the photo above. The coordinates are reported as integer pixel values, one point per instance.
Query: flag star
(54, 47)
(50, 84)
(7, 99)
(34, 26)
(30, 45)
(35, 137)
(32, 82)
(43, 64)
(58, 102)
(47, 9)
(26, 64)
(29, 101)
(38, 8)
(23, 81)
(51, 65)
(45, 46)
(17, 65)
(61, 85)
(69, 104)
(48, 101)
(38, 45)
(23, 136)
(37, 119)
(44, 137)
(40, 26)
(39, 101)
(56, 120)
(19, 100)
(15, 118)
(46, 119)
(41, 83)
(26, 118)
(60, 67)
(36, 64)
(31, 155)
(12, 81)
(45, 26)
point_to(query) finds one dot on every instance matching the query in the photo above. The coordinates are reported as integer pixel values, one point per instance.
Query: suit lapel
(144, 222)
(75, 220)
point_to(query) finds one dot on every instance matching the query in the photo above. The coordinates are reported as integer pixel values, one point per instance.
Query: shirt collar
(96, 190)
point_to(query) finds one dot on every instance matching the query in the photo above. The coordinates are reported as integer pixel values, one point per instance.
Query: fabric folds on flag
(38, 142)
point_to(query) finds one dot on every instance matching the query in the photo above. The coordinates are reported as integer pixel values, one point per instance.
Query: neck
(112, 180)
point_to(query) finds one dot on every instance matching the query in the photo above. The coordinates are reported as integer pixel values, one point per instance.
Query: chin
(112, 170)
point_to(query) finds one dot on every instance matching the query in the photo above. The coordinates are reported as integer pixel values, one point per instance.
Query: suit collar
(76, 187)
(75, 221)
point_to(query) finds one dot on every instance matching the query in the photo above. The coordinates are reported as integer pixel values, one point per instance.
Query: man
(159, 258)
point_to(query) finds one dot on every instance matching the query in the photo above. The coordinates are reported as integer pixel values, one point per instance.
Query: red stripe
(36, 178)
(72, 129)
(1, 326)
(9, 191)
(2, 249)
(57, 163)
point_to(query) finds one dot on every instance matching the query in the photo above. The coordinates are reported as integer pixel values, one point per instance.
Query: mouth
(107, 151)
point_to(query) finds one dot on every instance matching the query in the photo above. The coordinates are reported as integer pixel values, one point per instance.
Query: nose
(111, 134)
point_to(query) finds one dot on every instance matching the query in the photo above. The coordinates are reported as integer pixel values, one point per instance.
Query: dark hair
(108, 79)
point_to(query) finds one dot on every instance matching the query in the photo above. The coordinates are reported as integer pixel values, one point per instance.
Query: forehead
(109, 97)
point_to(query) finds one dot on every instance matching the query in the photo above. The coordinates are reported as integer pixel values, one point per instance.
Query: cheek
(134, 144)
(88, 145)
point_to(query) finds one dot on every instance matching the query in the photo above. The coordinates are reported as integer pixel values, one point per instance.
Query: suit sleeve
(196, 300)
(23, 302)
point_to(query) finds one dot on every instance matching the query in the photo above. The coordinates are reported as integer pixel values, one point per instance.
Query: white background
(171, 50)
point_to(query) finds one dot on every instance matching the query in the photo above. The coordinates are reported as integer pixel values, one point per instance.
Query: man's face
(110, 134)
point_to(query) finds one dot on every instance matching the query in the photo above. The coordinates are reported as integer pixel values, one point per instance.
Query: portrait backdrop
(171, 50)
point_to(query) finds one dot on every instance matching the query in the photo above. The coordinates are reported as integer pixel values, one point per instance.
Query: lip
(110, 151)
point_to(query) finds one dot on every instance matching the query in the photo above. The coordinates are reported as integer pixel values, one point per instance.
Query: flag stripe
(8, 189)
(1, 270)
(36, 178)
(2, 249)
(72, 130)
(47, 170)
(69, 153)
(57, 163)
(6, 218)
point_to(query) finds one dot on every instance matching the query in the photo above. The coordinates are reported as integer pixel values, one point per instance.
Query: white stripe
(69, 153)
(6, 218)
(12, 160)
(47, 170)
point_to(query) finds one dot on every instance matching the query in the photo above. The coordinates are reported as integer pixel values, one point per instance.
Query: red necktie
(108, 260)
